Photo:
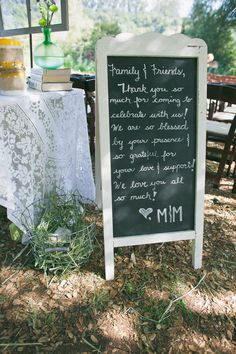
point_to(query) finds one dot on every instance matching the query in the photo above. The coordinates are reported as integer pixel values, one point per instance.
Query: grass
(100, 301)
(35, 316)
(63, 238)
(170, 275)
(133, 292)
(188, 316)
(3, 298)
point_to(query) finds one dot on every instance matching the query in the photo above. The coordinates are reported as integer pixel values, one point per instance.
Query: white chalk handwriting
(131, 71)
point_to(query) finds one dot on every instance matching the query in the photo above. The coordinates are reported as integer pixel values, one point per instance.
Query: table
(44, 145)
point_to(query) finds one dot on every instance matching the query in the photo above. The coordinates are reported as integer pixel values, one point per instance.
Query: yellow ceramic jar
(12, 71)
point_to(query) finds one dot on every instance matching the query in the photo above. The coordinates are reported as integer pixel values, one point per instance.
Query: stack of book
(50, 80)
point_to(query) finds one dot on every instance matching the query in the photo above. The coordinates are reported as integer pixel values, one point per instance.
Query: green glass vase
(47, 54)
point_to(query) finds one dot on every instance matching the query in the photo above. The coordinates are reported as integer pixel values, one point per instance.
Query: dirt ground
(157, 303)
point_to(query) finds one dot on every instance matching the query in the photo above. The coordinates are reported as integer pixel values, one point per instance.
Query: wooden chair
(87, 83)
(221, 137)
(220, 97)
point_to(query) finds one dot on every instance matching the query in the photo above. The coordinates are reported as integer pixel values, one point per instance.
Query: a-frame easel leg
(109, 258)
(197, 246)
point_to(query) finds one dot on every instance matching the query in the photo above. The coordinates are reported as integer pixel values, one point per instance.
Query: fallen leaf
(75, 293)
(94, 339)
(43, 340)
(70, 334)
(90, 326)
(132, 258)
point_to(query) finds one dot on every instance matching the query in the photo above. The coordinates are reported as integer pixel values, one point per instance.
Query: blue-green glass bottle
(47, 54)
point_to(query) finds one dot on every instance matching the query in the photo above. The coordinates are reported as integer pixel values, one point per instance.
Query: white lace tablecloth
(43, 144)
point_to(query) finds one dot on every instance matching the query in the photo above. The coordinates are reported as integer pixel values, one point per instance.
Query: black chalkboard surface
(152, 120)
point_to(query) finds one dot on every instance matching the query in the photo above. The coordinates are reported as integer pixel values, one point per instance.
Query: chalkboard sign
(152, 118)
(151, 139)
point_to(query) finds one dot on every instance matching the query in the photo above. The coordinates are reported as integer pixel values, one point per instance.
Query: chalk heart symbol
(145, 212)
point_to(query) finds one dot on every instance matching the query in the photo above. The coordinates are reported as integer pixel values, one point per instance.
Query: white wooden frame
(149, 45)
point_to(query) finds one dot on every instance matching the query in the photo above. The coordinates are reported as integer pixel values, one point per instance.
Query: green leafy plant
(47, 8)
(62, 237)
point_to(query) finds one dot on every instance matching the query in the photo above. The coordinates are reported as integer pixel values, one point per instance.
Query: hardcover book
(49, 86)
(50, 78)
(51, 72)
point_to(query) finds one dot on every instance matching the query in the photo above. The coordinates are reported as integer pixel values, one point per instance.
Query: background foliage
(212, 20)
(95, 19)
(216, 27)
